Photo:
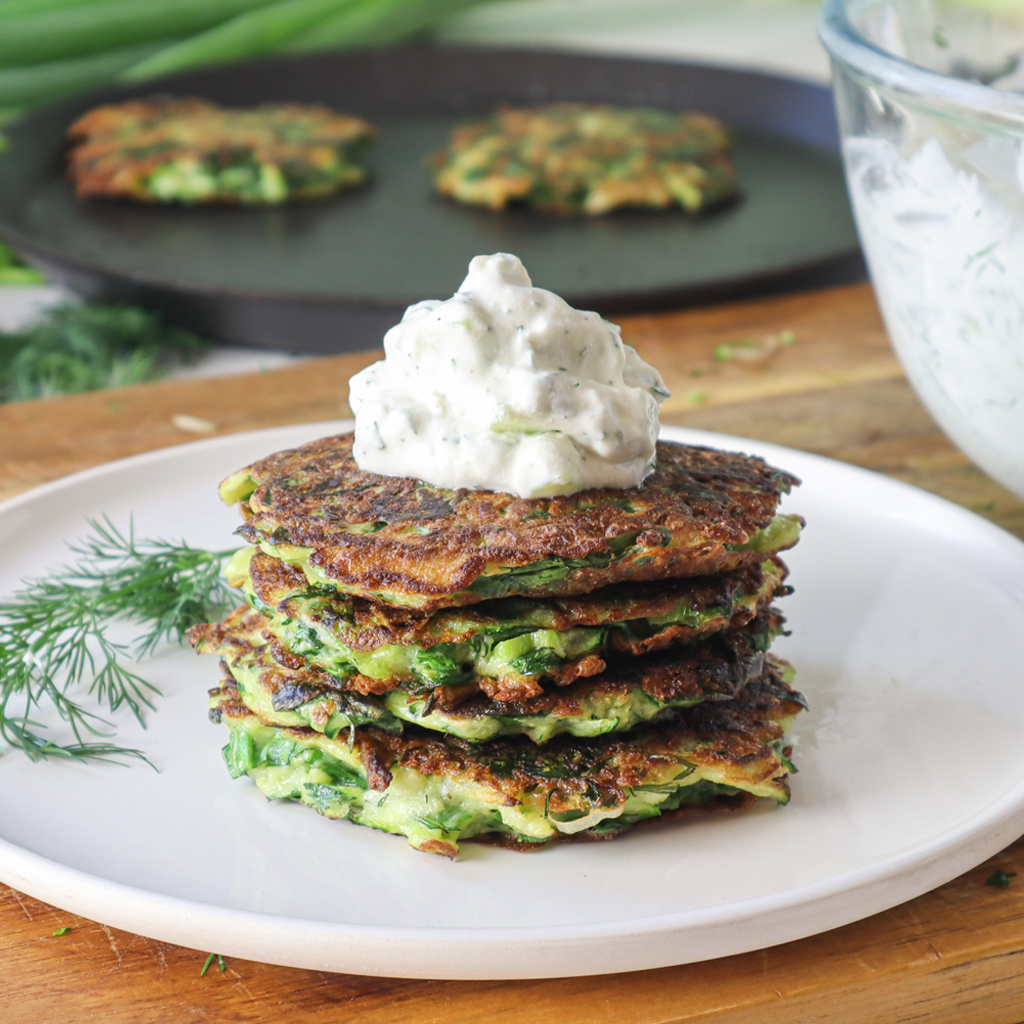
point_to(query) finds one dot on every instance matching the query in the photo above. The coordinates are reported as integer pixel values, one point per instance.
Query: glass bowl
(933, 144)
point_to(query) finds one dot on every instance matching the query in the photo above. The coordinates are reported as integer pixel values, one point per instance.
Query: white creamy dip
(943, 233)
(506, 387)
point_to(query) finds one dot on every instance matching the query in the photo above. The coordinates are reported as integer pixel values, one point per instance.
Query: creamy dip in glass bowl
(930, 97)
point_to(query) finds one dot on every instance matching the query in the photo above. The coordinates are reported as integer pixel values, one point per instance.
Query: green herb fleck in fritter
(588, 158)
(397, 540)
(437, 790)
(166, 150)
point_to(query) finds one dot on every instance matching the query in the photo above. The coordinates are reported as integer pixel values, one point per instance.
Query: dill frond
(74, 348)
(54, 635)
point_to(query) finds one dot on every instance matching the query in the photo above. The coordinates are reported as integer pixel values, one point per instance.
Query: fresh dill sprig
(74, 348)
(54, 635)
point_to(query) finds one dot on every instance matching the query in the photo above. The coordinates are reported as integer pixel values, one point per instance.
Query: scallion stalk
(36, 83)
(9, 8)
(50, 35)
(49, 48)
(376, 23)
(249, 34)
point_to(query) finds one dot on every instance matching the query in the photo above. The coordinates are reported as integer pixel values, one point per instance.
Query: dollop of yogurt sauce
(506, 387)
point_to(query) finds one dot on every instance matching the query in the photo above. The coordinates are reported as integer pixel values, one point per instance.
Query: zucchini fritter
(437, 790)
(504, 646)
(588, 158)
(168, 150)
(282, 689)
(457, 664)
(405, 542)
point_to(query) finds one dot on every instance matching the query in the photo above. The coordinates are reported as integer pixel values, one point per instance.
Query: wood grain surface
(812, 371)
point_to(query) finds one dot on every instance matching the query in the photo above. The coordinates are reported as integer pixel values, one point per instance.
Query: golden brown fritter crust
(588, 158)
(403, 540)
(364, 625)
(711, 670)
(715, 670)
(717, 804)
(206, 153)
(742, 732)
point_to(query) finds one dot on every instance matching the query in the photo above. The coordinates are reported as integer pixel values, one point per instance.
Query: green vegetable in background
(82, 348)
(35, 83)
(12, 8)
(190, 33)
(50, 48)
(376, 23)
(104, 24)
(299, 25)
(249, 35)
(209, 960)
(13, 270)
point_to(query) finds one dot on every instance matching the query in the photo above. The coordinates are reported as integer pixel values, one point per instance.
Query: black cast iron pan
(333, 275)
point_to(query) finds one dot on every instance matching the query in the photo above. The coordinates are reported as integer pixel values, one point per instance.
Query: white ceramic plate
(906, 622)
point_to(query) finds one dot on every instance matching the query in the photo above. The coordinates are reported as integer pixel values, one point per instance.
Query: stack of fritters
(459, 664)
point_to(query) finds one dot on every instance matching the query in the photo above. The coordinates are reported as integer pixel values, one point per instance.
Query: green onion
(209, 960)
(34, 83)
(246, 35)
(20, 275)
(106, 24)
(14, 271)
(10, 8)
(376, 23)
(49, 48)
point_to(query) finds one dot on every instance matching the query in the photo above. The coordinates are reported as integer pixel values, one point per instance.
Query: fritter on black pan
(587, 158)
(163, 150)
(437, 790)
(503, 646)
(405, 542)
(282, 689)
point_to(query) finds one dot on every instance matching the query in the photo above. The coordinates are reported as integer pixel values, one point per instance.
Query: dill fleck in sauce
(506, 387)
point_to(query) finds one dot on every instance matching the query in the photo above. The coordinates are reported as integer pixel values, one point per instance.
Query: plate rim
(529, 951)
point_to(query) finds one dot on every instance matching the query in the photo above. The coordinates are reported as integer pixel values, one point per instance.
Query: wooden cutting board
(812, 371)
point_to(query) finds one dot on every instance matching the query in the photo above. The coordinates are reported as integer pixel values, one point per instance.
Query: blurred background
(50, 49)
(765, 35)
